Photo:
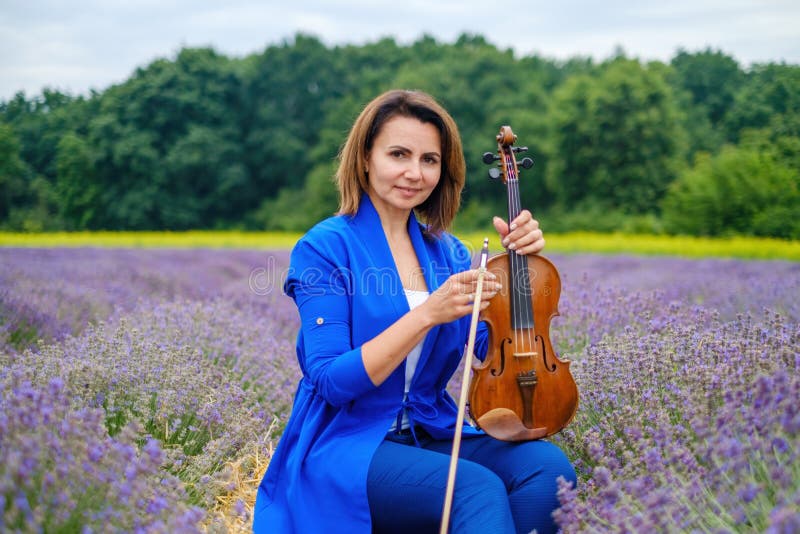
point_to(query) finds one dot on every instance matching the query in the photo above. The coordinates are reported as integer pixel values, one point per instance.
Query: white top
(414, 298)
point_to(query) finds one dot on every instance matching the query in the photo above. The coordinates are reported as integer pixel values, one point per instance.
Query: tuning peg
(489, 158)
(494, 173)
(526, 163)
(518, 149)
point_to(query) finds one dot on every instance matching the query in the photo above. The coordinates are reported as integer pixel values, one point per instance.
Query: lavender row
(50, 293)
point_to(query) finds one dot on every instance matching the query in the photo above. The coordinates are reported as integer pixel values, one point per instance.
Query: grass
(575, 242)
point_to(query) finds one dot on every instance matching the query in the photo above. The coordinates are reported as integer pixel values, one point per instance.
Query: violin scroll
(506, 137)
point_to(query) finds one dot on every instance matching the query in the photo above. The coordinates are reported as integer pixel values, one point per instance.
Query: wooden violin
(522, 390)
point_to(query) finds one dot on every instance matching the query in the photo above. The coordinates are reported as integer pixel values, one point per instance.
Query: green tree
(289, 89)
(160, 137)
(769, 99)
(705, 84)
(27, 200)
(12, 171)
(299, 209)
(617, 139)
(77, 193)
(127, 174)
(204, 180)
(712, 78)
(738, 191)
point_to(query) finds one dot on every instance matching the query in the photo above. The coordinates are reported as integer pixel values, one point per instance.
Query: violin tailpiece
(527, 382)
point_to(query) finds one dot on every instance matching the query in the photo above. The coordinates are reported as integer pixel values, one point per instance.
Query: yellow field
(661, 245)
(190, 239)
(577, 242)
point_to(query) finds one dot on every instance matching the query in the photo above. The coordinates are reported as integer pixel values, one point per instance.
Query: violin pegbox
(508, 168)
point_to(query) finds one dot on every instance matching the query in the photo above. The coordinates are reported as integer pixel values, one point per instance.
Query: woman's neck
(394, 222)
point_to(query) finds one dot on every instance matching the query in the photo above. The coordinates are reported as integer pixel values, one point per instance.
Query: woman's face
(404, 165)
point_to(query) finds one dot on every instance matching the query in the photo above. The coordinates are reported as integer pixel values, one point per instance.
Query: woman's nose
(414, 171)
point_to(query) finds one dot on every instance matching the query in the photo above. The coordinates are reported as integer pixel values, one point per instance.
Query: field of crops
(145, 388)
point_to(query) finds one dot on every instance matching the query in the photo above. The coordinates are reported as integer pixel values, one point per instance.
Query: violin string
(522, 299)
(513, 264)
(527, 306)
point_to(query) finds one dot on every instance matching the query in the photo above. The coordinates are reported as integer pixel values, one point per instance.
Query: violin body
(521, 371)
(522, 390)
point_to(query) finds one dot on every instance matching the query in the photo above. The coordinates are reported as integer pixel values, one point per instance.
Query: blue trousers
(501, 487)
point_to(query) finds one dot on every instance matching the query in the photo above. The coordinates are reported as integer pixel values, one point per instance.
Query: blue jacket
(347, 290)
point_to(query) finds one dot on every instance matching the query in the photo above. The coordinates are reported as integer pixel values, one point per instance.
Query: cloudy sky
(91, 44)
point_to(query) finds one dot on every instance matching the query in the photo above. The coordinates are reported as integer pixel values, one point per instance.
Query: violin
(522, 390)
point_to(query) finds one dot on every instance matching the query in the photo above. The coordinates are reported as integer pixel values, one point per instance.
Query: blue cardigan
(347, 289)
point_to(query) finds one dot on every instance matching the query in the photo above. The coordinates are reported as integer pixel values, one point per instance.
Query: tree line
(700, 145)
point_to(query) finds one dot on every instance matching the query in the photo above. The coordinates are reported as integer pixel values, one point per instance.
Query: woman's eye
(397, 153)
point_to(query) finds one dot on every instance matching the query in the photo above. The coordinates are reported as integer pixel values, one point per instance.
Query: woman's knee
(474, 481)
(559, 465)
(480, 501)
(540, 464)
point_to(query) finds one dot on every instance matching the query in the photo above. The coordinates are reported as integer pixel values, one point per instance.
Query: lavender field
(144, 390)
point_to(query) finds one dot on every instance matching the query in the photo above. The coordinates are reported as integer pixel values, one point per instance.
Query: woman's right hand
(454, 298)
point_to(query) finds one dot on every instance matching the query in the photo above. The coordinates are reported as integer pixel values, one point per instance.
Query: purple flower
(784, 520)
(749, 492)
(95, 452)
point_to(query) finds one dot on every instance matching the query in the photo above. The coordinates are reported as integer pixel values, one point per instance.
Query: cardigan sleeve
(322, 290)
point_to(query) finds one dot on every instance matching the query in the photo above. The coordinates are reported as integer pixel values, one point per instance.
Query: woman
(384, 303)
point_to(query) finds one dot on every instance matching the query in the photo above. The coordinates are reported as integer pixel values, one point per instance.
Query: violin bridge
(526, 354)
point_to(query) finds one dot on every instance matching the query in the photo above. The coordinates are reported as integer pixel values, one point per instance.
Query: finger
(489, 290)
(501, 226)
(533, 248)
(526, 239)
(517, 234)
(530, 235)
(488, 277)
(523, 217)
(471, 277)
(464, 277)
(488, 295)
(492, 286)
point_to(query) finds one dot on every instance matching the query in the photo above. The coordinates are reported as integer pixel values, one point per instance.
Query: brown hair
(440, 208)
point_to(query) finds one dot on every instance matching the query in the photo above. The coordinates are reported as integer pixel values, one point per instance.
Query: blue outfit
(347, 289)
(501, 487)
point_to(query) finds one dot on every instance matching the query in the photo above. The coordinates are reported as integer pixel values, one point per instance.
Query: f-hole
(495, 372)
(540, 342)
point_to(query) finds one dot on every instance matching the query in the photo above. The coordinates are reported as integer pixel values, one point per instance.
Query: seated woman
(384, 295)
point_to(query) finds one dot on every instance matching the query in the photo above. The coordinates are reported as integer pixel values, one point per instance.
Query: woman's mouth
(408, 191)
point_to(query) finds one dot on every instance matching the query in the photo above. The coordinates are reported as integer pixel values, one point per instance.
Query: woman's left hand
(523, 236)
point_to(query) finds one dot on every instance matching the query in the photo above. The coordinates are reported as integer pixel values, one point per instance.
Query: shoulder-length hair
(439, 209)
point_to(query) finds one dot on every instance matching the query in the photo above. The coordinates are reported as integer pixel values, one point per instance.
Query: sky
(82, 45)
